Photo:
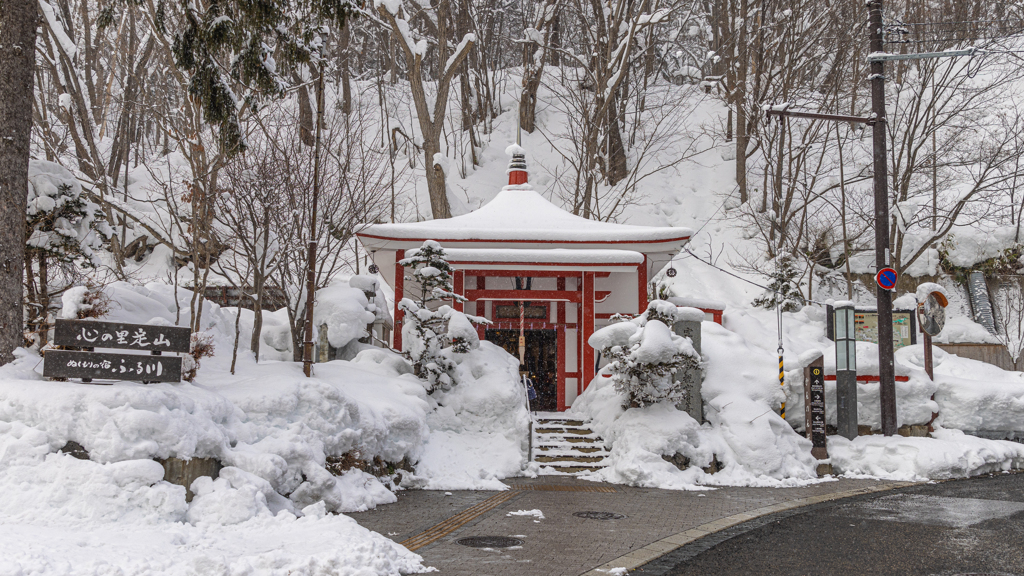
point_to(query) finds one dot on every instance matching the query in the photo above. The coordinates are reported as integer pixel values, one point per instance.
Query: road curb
(659, 548)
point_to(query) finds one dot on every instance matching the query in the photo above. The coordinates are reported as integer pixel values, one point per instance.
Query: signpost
(83, 336)
(814, 411)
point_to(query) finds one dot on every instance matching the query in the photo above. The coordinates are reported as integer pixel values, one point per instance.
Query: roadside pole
(886, 369)
(877, 120)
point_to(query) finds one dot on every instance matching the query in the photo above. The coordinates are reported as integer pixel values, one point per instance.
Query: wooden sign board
(91, 334)
(814, 412)
(111, 366)
(816, 406)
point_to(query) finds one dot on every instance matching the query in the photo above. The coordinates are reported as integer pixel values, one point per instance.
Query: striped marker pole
(782, 382)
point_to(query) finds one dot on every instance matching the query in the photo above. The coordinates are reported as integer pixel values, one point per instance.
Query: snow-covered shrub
(200, 347)
(784, 287)
(89, 301)
(645, 355)
(433, 333)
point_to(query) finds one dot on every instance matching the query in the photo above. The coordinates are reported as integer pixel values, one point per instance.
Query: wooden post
(929, 366)
(459, 283)
(560, 328)
(641, 296)
(814, 411)
(399, 294)
(587, 329)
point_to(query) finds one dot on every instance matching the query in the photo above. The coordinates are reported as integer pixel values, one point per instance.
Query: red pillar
(399, 294)
(560, 332)
(641, 275)
(587, 328)
(460, 289)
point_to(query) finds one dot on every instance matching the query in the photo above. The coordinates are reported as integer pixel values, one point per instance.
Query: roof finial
(517, 173)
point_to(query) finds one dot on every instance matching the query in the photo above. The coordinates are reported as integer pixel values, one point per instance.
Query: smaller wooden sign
(816, 401)
(814, 411)
(92, 334)
(110, 366)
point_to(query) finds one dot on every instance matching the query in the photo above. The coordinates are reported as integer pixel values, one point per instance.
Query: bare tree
(433, 25)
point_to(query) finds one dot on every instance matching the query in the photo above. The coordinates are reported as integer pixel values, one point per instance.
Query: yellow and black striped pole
(782, 382)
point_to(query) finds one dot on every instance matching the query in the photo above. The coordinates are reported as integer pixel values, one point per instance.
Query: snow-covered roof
(519, 215)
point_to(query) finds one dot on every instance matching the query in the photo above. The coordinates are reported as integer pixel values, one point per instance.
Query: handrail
(526, 396)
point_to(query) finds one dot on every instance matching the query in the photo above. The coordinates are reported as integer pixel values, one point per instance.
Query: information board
(109, 366)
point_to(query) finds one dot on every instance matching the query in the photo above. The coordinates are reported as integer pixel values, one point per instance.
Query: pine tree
(784, 287)
(424, 336)
(645, 355)
(62, 227)
(262, 45)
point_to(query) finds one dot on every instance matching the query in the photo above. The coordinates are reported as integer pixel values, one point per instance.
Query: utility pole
(877, 121)
(307, 345)
(886, 369)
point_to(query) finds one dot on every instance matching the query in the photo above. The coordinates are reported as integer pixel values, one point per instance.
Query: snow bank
(973, 396)
(949, 454)
(345, 311)
(480, 427)
(752, 443)
(270, 426)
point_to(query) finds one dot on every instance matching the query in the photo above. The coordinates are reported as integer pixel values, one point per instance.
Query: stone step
(573, 458)
(560, 422)
(573, 469)
(548, 448)
(560, 438)
(577, 430)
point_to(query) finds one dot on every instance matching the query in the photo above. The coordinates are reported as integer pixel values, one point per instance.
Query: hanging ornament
(373, 266)
(671, 273)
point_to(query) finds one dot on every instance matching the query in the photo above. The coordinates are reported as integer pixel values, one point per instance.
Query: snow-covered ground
(275, 507)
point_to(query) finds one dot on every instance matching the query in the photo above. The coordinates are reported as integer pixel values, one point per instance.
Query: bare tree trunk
(741, 104)
(17, 73)
(344, 38)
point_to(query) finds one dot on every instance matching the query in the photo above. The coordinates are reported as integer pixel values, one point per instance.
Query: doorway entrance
(541, 362)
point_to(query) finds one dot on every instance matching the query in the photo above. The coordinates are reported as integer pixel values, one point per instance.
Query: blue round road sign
(886, 278)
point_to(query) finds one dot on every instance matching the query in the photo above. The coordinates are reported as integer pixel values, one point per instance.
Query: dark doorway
(541, 362)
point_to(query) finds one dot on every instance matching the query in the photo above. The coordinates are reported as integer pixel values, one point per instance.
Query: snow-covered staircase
(567, 445)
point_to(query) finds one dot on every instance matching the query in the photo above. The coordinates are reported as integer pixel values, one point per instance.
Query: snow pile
(752, 443)
(345, 312)
(270, 426)
(973, 396)
(949, 454)
(62, 515)
(479, 429)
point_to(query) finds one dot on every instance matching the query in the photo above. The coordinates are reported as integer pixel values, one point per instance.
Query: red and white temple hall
(571, 273)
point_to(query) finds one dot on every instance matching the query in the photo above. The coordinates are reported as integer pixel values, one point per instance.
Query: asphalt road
(961, 527)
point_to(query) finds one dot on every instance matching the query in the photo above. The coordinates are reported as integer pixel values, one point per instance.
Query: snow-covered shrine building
(573, 274)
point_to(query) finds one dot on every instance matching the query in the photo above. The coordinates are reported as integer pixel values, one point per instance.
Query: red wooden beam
(641, 280)
(532, 273)
(869, 378)
(460, 288)
(399, 294)
(587, 323)
(560, 319)
(528, 295)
